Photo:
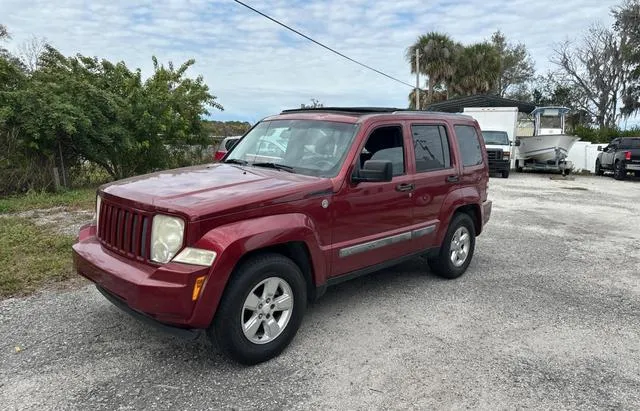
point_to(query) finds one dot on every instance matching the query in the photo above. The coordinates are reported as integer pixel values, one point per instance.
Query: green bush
(595, 135)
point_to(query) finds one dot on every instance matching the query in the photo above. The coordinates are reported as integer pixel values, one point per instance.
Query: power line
(322, 45)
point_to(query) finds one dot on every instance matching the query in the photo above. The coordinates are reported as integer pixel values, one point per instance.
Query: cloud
(256, 67)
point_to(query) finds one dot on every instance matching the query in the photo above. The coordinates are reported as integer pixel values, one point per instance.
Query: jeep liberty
(304, 200)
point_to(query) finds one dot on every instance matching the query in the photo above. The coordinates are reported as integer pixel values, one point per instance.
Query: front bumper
(486, 211)
(162, 293)
(499, 165)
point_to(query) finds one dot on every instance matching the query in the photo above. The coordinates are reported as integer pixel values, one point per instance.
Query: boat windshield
(496, 137)
(309, 147)
(550, 122)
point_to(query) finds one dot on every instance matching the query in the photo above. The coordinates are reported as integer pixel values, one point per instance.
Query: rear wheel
(599, 170)
(619, 172)
(261, 310)
(457, 248)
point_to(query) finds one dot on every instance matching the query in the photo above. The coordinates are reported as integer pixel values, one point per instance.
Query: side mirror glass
(374, 171)
(599, 148)
(517, 143)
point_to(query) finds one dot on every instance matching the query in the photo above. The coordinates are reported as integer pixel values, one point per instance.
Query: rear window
(630, 143)
(469, 145)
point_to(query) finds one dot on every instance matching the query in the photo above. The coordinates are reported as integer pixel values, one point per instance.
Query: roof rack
(361, 111)
(349, 110)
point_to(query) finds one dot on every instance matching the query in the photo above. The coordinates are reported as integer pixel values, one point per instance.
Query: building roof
(456, 105)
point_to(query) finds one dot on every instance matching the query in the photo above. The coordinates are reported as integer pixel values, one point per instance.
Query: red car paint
(234, 210)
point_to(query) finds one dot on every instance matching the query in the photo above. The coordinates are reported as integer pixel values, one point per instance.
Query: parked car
(225, 145)
(236, 249)
(621, 155)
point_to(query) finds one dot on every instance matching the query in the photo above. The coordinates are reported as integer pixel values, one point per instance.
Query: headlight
(506, 155)
(98, 202)
(196, 256)
(166, 237)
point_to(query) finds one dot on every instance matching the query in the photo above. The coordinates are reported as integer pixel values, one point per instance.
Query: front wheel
(261, 310)
(457, 248)
(505, 174)
(599, 170)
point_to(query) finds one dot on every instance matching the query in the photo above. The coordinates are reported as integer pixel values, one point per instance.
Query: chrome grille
(124, 230)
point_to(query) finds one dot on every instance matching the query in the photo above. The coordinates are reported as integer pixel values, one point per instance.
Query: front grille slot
(124, 230)
(494, 154)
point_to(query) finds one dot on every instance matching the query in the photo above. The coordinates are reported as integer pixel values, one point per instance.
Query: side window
(431, 147)
(385, 143)
(469, 144)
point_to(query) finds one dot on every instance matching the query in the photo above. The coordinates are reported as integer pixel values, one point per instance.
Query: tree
(596, 67)
(314, 104)
(437, 55)
(477, 68)
(31, 51)
(627, 26)
(516, 66)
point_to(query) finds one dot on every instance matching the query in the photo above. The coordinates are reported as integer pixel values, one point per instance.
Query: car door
(435, 176)
(372, 220)
(608, 154)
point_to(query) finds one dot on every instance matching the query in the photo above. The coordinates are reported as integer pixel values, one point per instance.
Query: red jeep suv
(306, 199)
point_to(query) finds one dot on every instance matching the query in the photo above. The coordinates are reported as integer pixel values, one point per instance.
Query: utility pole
(417, 79)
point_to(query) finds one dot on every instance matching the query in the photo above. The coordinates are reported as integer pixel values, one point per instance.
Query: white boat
(549, 145)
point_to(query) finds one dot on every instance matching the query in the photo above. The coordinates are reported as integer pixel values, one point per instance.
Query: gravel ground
(547, 317)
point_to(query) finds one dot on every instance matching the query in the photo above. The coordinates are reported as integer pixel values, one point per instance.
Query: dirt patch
(61, 219)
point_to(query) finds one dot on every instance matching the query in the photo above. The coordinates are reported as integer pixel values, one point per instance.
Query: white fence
(583, 154)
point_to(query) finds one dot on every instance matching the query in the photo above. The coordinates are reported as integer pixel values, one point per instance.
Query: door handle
(404, 187)
(452, 179)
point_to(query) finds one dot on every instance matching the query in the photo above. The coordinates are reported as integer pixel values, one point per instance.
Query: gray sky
(256, 67)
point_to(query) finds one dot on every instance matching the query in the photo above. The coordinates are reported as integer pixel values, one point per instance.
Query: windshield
(310, 147)
(550, 122)
(496, 137)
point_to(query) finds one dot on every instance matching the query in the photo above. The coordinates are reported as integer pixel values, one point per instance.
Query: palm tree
(477, 70)
(437, 52)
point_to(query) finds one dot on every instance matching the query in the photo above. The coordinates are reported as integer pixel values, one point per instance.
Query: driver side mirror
(374, 171)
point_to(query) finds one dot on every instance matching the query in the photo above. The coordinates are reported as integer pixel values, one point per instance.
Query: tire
(442, 264)
(619, 172)
(256, 346)
(636, 173)
(505, 174)
(518, 167)
(599, 170)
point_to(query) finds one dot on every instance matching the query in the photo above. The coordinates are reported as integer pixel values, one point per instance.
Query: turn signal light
(197, 287)
(627, 155)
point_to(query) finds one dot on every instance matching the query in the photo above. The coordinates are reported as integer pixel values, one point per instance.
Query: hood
(204, 190)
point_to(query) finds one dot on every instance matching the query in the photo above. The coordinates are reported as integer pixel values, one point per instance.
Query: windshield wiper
(274, 165)
(236, 161)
